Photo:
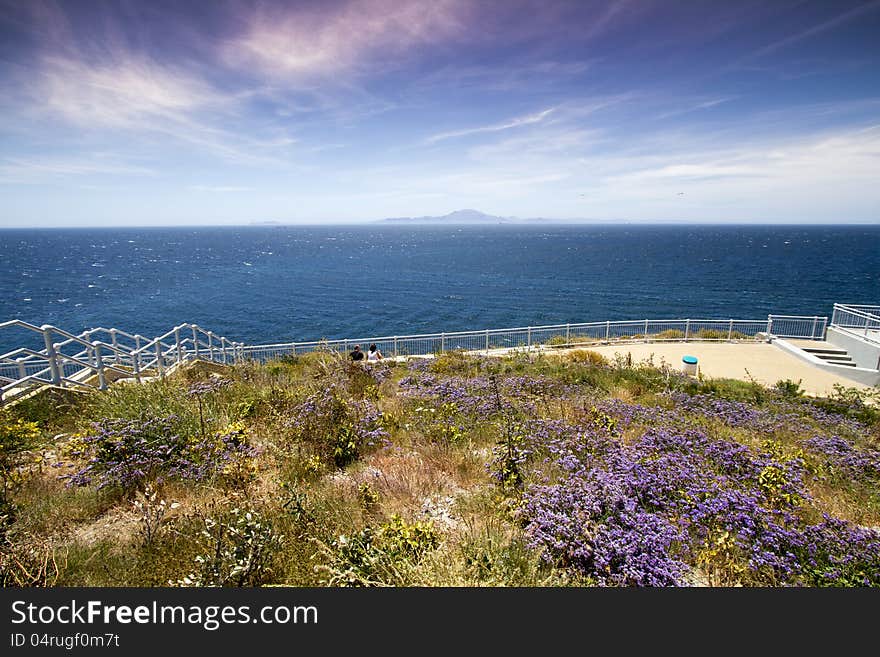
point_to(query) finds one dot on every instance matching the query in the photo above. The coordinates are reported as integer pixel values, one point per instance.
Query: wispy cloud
(817, 161)
(124, 93)
(696, 107)
(496, 127)
(40, 169)
(816, 29)
(141, 97)
(300, 44)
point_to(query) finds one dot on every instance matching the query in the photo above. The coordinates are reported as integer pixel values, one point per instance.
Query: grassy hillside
(563, 470)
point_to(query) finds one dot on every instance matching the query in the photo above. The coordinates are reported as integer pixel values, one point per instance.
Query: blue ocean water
(261, 284)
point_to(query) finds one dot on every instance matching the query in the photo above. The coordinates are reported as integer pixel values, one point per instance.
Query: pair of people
(373, 355)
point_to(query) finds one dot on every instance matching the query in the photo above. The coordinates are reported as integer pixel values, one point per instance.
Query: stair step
(848, 363)
(813, 350)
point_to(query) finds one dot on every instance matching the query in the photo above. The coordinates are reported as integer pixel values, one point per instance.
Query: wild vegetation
(524, 470)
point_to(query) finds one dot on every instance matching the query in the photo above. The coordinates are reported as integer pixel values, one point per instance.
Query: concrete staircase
(832, 356)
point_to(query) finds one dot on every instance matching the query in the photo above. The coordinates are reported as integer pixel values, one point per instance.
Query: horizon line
(383, 223)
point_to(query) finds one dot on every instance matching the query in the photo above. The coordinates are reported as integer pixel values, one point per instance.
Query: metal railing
(562, 335)
(859, 320)
(70, 360)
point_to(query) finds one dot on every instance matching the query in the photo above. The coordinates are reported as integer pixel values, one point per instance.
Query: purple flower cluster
(592, 523)
(474, 397)
(126, 454)
(380, 371)
(629, 414)
(331, 413)
(642, 514)
(201, 388)
(834, 553)
(843, 458)
(211, 455)
(732, 413)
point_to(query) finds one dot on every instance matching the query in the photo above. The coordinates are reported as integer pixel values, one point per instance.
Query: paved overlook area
(762, 362)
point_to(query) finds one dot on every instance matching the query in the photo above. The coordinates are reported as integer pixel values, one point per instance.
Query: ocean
(263, 284)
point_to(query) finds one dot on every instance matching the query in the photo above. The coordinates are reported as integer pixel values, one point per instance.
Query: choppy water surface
(266, 284)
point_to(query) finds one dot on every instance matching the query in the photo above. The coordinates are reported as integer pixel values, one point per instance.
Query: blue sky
(232, 112)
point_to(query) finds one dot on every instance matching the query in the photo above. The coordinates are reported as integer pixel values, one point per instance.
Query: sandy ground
(762, 362)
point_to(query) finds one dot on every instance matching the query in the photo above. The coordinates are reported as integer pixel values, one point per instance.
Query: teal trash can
(689, 364)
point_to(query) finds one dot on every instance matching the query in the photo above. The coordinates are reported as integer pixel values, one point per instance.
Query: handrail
(804, 326)
(186, 341)
(854, 321)
(104, 357)
(855, 311)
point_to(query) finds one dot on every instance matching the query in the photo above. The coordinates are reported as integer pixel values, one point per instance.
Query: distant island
(457, 217)
(469, 216)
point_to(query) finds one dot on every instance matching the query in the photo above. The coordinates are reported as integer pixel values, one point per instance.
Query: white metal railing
(860, 320)
(79, 360)
(69, 360)
(645, 330)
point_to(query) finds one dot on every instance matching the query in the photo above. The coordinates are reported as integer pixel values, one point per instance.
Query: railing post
(813, 332)
(687, 329)
(395, 346)
(223, 349)
(568, 334)
(210, 346)
(22, 373)
(487, 342)
(769, 326)
(730, 331)
(136, 364)
(177, 343)
(160, 359)
(646, 331)
(195, 341)
(113, 339)
(608, 331)
(99, 363)
(442, 342)
(529, 337)
(51, 354)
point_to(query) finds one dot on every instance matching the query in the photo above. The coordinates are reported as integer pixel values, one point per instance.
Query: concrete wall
(864, 354)
(870, 377)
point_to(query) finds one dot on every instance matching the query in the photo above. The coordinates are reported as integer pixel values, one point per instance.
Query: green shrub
(669, 334)
(239, 549)
(789, 388)
(16, 437)
(587, 356)
(383, 557)
(455, 362)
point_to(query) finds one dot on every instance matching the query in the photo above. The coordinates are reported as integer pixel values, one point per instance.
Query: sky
(130, 113)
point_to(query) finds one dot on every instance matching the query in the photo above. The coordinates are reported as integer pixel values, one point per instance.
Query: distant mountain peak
(464, 216)
(469, 214)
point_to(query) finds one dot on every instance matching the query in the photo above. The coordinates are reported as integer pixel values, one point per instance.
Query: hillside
(522, 470)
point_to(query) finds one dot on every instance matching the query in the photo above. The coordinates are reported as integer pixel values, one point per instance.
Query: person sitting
(374, 353)
(356, 354)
